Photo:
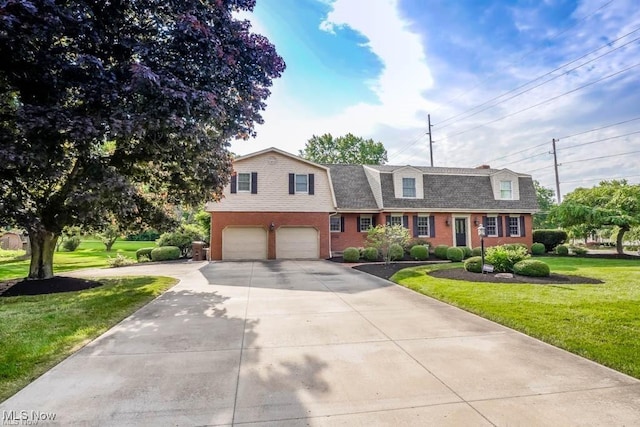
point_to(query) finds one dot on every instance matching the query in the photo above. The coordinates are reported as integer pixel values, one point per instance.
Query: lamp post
(481, 233)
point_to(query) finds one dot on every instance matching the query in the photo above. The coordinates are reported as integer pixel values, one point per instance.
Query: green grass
(37, 332)
(90, 253)
(600, 322)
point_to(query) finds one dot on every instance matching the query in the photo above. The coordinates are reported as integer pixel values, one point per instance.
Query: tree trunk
(620, 239)
(43, 244)
(109, 243)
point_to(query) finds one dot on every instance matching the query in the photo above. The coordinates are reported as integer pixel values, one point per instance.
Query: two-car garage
(252, 243)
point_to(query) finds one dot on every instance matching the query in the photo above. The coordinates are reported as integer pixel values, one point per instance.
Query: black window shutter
(234, 185)
(311, 184)
(415, 226)
(432, 226)
(292, 183)
(499, 221)
(254, 182)
(373, 221)
(388, 218)
(342, 224)
(405, 221)
(358, 224)
(484, 221)
(522, 232)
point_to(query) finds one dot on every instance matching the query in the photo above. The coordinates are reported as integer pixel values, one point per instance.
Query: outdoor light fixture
(272, 226)
(482, 233)
(446, 221)
(475, 221)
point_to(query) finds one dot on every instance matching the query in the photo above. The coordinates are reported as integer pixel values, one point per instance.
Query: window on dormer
(506, 191)
(408, 187)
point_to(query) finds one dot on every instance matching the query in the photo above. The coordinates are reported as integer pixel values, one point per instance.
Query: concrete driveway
(316, 343)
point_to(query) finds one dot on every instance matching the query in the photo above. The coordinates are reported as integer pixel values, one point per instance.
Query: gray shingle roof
(444, 188)
(351, 187)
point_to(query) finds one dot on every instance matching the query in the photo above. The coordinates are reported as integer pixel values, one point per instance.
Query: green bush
(549, 238)
(476, 251)
(473, 264)
(419, 252)
(531, 267)
(395, 252)
(440, 251)
(351, 255)
(455, 254)
(415, 242)
(144, 258)
(144, 252)
(71, 243)
(503, 258)
(562, 250)
(146, 236)
(182, 238)
(578, 250)
(467, 251)
(537, 249)
(165, 253)
(370, 254)
(512, 246)
(120, 261)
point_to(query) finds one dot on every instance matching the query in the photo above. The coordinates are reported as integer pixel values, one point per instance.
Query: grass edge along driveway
(599, 322)
(38, 332)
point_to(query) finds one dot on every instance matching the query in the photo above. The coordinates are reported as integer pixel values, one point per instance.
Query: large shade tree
(120, 108)
(546, 202)
(609, 203)
(347, 149)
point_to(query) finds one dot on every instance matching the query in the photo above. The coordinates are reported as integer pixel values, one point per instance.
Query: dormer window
(506, 190)
(408, 187)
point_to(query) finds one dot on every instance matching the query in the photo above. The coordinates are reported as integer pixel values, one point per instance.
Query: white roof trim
(281, 152)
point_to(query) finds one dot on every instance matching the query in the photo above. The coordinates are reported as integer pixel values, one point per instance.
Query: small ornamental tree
(122, 108)
(382, 237)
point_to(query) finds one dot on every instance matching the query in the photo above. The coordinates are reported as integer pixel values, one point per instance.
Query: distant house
(280, 206)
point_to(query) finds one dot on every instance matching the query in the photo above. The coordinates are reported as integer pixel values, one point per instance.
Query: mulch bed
(387, 270)
(555, 279)
(54, 285)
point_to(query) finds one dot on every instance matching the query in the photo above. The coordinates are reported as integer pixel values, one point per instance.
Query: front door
(461, 232)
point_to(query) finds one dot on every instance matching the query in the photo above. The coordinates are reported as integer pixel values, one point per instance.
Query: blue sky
(499, 78)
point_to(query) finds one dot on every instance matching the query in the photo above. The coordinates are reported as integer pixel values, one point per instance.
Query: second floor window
(408, 187)
(244, 182)
(505, 190)
(302, 184)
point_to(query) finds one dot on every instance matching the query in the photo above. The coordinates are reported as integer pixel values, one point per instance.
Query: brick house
(280, 206)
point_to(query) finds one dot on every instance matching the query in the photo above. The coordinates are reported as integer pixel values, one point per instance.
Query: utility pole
(555, 165)
(430, 140)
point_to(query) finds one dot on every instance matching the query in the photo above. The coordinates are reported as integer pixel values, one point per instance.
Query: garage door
(297, 243)
(244, 243)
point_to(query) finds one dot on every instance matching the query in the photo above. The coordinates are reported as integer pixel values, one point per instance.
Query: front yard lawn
(600, 322)
(37, 332)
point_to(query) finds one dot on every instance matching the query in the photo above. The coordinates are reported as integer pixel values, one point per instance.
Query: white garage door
(244, 243)
(297, 243)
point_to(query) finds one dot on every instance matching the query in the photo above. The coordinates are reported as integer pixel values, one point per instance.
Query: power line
(522, 160)
(600, 128)
(601, 179)
(599, 140)
(601, 157)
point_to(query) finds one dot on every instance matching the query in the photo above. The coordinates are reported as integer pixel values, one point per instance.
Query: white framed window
(514, 226)
(335, 224)
(506, 191)
(408, 187)
(423, 226)
(365, 223)
(491, 227)
(244, 182)
(395, 220)
(302, 183)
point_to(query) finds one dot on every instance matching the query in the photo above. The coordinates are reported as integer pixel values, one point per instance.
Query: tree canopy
(545, 198)
(121, 108)
(609, 203)
(347, 149)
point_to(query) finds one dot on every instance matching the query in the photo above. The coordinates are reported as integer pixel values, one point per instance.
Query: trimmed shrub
(351, 255)
(513, 246)
(473, 264)
(549, 238)
(165, 253)
(467, 251)
(182, 238)
(578, 250)
(144, 258)
(440, 251)
(120, 261)
(537, 249)
(455, 254)
(370, 254)
(395, 252)
(419, 252)
(562, 250)
(476, 251)
(144, 252)
(503, 258)
(531, 267)
(71, 244)
(414, 242)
